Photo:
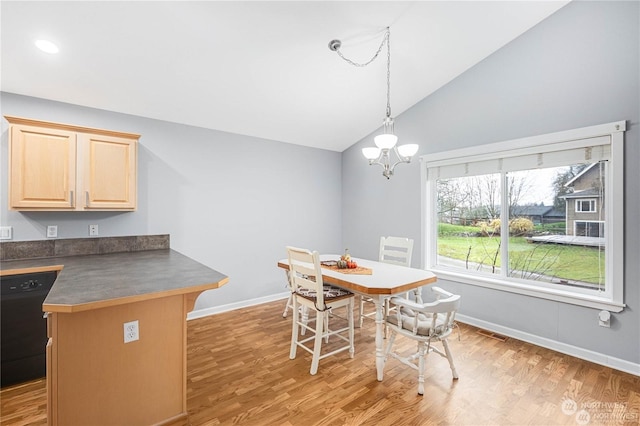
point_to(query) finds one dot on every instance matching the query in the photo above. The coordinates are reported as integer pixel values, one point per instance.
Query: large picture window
(536, 216)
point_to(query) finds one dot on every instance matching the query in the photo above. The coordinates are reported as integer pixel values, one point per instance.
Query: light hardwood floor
(239, 372)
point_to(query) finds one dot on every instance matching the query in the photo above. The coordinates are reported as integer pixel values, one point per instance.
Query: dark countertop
(91, 282)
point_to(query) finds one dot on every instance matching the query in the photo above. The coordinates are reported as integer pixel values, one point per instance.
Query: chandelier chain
(385, 40)
(387, 141)
(387, 37)
(364, 64)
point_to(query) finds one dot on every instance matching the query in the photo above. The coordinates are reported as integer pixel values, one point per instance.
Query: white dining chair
(395, 250)
(303, 310)
(309, 291)
(426, 323)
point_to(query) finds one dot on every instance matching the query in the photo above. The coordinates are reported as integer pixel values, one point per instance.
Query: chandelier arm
(383, 155)
(383, 161)
(401, 159)
(398, 162)
(379, 161)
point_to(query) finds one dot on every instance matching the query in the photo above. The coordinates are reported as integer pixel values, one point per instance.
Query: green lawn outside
(565, 262)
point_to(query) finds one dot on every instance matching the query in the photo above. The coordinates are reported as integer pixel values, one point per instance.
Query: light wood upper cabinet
(56, 167)
(109, 177)
(42, 164)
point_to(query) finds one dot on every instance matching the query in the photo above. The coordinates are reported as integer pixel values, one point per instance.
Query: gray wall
(577, 68)
(225, 199)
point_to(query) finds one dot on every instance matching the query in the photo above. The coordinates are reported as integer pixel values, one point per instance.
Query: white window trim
(592, 201)
(613, 299)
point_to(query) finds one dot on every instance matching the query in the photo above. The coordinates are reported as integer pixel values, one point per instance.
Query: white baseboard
(238, 305)
(588, 355)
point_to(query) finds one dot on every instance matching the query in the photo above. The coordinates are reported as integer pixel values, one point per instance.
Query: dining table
(376, 280)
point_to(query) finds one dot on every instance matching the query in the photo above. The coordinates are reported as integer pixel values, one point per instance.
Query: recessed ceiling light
(47, 46)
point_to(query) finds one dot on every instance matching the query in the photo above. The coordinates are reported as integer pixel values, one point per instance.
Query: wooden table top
(385, 278)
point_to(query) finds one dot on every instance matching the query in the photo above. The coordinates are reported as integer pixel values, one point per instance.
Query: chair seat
(330, 293)
(425, 322)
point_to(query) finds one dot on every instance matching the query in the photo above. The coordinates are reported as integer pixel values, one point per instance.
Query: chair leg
(387, 306)
(350, 308)
(305, 319)
(286, 307)
(294, 330)
(317, 345)
(361, 311)
(289, 303)
(421, 362)
(392, 338)
(417, 295)
(326, 325)
(450, 358)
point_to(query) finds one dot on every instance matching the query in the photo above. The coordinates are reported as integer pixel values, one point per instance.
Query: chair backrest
(396, 250)
(305, 271)
(440, 313)
(444, 311)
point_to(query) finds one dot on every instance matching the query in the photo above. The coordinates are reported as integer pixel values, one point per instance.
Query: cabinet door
(109, 172)
(42, 168)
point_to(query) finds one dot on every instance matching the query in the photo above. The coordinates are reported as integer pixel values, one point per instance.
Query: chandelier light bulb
(408, 150)
(371, 153)
(385, 141)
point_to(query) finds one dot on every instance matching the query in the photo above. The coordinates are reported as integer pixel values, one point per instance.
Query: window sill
(558, 295)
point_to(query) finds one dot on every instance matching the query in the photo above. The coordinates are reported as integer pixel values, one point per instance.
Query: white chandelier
(386, 141)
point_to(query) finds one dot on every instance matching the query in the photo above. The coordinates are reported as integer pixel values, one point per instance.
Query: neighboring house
(585, 204)
(539, 215)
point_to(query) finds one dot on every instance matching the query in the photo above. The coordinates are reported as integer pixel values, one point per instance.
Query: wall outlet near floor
(52, 231)
(6, 233)
(93, 230)
(131, 331)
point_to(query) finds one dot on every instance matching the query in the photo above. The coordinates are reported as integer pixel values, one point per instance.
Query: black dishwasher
(23, 327)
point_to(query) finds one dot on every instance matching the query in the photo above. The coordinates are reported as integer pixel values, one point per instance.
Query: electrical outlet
(52, 231)
(6, 233)
(604, 319)
(93, 230)
(131, 331)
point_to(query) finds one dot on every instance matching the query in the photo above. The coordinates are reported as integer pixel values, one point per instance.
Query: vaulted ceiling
(258, 68)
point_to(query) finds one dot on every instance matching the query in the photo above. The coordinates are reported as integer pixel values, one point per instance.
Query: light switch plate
(6, 232)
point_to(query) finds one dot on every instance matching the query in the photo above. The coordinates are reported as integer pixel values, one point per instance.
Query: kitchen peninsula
(93, 376)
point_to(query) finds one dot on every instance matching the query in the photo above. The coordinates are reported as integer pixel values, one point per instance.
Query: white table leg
(379, 302)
